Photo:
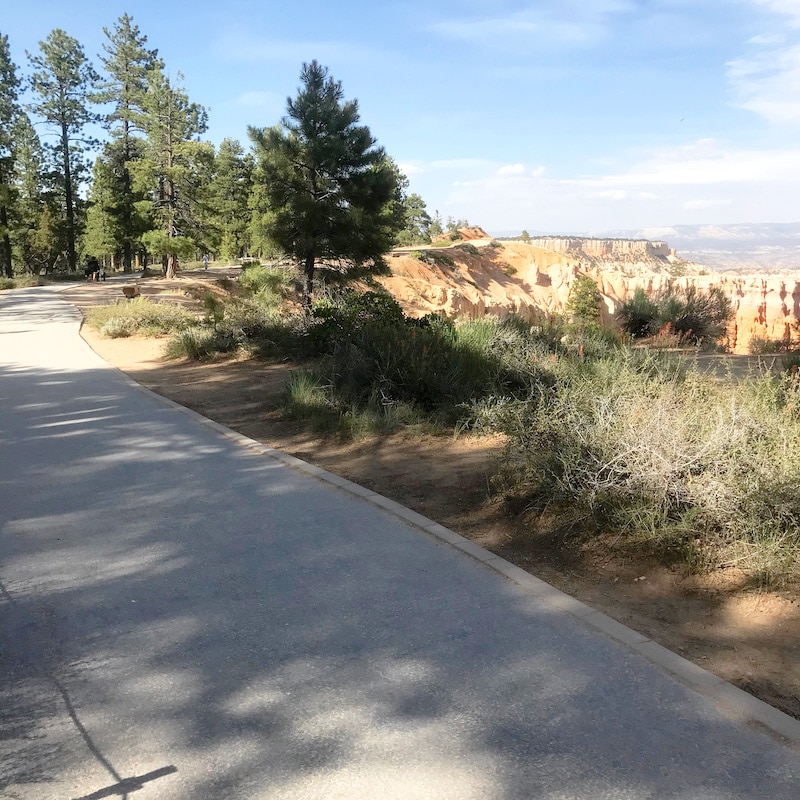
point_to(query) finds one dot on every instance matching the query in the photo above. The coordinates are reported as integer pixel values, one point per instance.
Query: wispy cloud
(789, 8)
(571, 22)
(703, 163)
(698, 181)
(766, 80)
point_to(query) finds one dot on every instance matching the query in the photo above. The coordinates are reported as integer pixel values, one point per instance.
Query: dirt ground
(749, 637)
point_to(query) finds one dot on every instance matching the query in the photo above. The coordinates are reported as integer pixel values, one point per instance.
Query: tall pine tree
(172, 168)
(9, 112)
(33, 201)
(126, 63)
(230, 192)
(62, 82)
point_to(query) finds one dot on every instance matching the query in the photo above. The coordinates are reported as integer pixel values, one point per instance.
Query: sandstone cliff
(485, 277)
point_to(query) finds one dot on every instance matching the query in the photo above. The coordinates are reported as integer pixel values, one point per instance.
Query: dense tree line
(109, 162)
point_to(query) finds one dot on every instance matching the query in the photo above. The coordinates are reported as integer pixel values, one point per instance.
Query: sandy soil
(751, 638)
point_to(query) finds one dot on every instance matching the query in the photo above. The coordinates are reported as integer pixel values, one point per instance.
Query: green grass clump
(308, 397)
(143, 316)
(268, 284)
(198, 344)
(7, 283)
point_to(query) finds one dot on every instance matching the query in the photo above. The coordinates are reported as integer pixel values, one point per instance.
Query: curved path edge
(728, 698)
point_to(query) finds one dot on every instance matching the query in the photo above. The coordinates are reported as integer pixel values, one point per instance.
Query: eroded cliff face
(525, 279)
(613, 249)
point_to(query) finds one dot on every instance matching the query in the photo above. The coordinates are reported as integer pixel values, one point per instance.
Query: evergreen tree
(103, 236)
(37, 237)
(62, 81)
(331, 194)
(435, 229)
(525, 236)
(126, 62)
(230, 193)
(173, 167)
(9, 112)
(584, 300)
(417, 222)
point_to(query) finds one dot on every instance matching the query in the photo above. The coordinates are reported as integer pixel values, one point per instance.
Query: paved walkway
(185, 619)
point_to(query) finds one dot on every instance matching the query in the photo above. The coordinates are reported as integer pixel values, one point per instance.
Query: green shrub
(470, 248)
(23, 281)
(269, 284)
(762, 346)
(143, 316)
(790, 362)
(639, 315)
(439, 259)
(198, 343)
(691, 316)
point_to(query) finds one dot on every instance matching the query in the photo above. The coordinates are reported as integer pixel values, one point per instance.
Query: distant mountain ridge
(741, 247)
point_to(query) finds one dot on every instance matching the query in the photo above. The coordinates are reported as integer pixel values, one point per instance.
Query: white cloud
(768, 83)
(790, 8)
(512, 169)
(410, 169)
(703, 162)
(702, 181)
(766, 80)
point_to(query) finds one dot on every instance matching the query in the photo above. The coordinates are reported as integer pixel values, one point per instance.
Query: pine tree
(417, 222)
(35, 202)
(127, 62)
(62, 82)
(230, 192)
(103, 236)
(331, 194)
(9, 112)
(173, 167)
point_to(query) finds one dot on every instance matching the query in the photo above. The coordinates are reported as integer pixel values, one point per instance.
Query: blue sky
(558, 115)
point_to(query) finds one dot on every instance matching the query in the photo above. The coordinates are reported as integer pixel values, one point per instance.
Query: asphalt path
(185, 619)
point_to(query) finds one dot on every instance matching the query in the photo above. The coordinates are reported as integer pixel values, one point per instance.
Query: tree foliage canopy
(333, 195)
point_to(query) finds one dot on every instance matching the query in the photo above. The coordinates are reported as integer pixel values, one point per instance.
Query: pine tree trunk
(308, 291)
(127, 212)
(72, 259)
(5, 245)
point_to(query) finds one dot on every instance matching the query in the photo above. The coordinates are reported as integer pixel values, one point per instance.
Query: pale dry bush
(682, 461)
(143, 316)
